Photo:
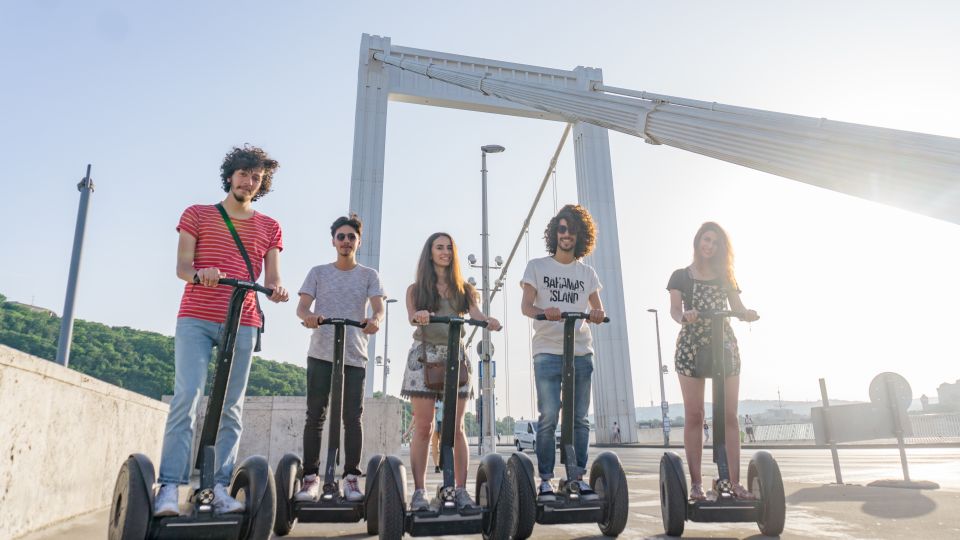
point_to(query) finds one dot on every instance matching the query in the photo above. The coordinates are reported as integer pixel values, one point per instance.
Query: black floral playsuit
(705, 295)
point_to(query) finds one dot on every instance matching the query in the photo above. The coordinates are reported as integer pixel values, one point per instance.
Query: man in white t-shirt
(340, 289)
(553, 285)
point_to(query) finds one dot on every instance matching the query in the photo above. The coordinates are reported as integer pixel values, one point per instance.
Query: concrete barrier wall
(273, 426)
(64, 436)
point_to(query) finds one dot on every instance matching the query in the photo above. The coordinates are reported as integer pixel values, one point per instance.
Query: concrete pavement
(816, 509)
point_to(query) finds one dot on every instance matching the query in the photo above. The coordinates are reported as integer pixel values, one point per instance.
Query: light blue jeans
(548, 371)
(192, 351)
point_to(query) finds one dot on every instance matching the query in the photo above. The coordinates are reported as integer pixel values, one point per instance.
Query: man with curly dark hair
(207, 252)
(553, 285)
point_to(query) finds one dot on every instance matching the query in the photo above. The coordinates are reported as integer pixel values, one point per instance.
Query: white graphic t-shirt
(568, 288)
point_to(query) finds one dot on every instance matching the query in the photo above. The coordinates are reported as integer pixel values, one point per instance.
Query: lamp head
(498, 260)
(472, 281)
(492, 149)
(652, 310)
(472, 259)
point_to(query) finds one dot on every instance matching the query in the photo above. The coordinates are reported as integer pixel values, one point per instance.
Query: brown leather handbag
(435, 373)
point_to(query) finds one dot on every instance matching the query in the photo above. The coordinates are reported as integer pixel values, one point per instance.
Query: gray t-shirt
(342, 294)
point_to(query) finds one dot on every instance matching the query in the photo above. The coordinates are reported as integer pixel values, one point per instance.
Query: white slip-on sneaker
(223, 503)
(167, 502)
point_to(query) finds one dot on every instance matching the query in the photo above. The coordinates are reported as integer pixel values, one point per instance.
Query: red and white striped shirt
(216, 248)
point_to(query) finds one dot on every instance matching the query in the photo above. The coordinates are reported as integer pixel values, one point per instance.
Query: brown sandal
(696, 493)
(741, 492)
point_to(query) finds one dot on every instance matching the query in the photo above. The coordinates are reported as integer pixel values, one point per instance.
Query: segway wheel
(371, 503)
(391, 506)
(287, 481)
(673, 494)
(766, 484)
(608, 480)
(253, 484)
(132, 506)
(526, 496)
(500, 520)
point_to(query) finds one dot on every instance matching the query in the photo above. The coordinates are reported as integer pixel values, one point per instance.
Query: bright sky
(154, 94)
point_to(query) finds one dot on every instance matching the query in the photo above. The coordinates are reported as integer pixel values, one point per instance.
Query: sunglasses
(563, 229)
(343, 236)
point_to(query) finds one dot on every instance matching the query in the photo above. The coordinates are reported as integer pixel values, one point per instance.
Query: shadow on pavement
(880, 502)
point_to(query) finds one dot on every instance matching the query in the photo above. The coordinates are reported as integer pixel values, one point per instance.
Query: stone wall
(63, 437)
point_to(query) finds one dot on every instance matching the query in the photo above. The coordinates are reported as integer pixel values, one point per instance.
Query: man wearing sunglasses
(339, 289)
(553, 285)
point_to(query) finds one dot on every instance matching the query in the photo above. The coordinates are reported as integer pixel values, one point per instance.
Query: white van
(525, 434)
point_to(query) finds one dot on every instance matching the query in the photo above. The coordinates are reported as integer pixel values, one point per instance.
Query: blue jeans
(548, 371)
(193, 342)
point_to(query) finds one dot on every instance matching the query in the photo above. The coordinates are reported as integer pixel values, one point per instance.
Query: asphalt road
(816, 508)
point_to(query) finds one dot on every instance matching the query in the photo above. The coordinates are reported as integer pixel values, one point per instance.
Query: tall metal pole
(486, 382)
(85, 187)
(386, 345)
(664, 406)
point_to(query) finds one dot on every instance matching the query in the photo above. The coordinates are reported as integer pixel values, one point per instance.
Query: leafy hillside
(133, 359)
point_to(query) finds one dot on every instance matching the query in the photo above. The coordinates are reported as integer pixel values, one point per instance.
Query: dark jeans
(319, 375)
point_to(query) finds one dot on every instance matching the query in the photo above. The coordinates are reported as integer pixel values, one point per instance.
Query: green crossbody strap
(246, 259)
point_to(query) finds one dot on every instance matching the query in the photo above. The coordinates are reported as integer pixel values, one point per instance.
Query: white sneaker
(351, 488)
(310, 489)
(223, 503)
(167, 502)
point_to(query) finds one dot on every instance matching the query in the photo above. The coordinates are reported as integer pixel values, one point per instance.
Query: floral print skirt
(413, 385)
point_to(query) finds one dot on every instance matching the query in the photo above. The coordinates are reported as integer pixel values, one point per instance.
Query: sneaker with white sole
(465, 503)
(586, 492)
(167, 502)
(310, 489)
(351, 488)
(419, 501)
(546, 493)
(223, 503)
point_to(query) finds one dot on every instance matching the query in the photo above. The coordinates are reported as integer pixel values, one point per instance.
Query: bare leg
(692, 389)
(731, 398)
(420, 442)
(461, 453)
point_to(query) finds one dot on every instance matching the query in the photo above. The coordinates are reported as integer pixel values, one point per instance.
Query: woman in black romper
(707, 284)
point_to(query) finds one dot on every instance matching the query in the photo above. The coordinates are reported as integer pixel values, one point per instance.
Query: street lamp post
(664, 406)
(486, 379)
(386, 344)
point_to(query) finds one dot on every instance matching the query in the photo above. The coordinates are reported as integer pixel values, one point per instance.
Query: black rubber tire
(616, 508)
(371, 508)
(519, 447)
(499, 522)
(766, 483)
(287, 480)
(391, 505)
(526, 499)
(259, 518)
(132, 506)
(673, 498)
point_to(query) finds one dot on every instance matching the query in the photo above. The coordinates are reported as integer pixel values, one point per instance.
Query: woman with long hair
(439, 290)
(707, 284)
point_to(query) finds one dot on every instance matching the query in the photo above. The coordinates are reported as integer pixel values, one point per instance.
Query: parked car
(525, 434)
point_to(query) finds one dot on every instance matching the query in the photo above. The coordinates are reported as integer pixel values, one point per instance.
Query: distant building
(35, 309)
(948, 396)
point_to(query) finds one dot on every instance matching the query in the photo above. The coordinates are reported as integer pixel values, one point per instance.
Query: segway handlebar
(570, 315)
(448, 320)
(720, 314)
(241, 284)
(345, 322)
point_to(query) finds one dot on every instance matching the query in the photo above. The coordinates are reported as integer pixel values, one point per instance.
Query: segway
(768, 510)
(131, 513)
(607, 479)
(331, 507)
(495, 516)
